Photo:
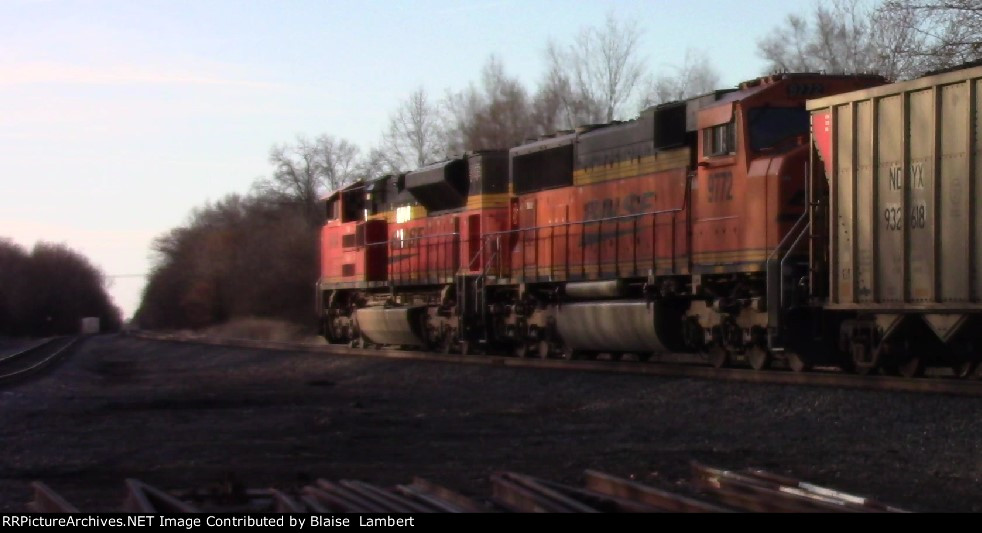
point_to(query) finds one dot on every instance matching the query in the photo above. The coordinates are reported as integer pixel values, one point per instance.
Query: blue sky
(119, 117)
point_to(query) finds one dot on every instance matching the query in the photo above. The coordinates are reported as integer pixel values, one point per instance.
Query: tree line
(257, 254)
(48, 290)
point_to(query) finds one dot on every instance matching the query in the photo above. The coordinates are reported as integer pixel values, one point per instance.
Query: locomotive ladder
(777, 280)
(479, 284)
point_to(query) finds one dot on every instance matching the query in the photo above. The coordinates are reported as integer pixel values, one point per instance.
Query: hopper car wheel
(964, 369)
(570, 354)
(797, 363)
(464, 348)
(718, 356)
(861, 365)
(758, 357)
(911, 368)
(544, 348)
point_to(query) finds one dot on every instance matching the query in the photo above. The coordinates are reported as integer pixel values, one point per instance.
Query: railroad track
(820, 378)
(17, 365)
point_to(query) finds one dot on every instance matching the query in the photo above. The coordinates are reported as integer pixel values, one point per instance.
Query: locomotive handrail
(788, 254)
(775, 287)
(591, 221)
(546, 226)
(787, 236)
(426, 240)
(412, 239)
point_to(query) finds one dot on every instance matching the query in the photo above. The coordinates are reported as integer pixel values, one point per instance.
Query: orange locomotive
(684, 230)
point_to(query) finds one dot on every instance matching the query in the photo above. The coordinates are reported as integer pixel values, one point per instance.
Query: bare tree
(695, 76)
(835, 37)
(307, 169)
(495, 115)
(379, 162)
(237, 257)
(558, 104)
(933, 34)
(898, 38)
(48, 291)
(604, 65)
(893, 43)
(339, 161)
(414, 137)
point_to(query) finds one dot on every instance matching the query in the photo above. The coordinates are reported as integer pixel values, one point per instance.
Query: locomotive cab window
(773, 128)
(719, 140)
(373, 203)
(352, 205)
(331, 210)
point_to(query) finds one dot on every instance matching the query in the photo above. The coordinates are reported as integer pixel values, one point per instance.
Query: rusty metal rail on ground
(34, 358)
(931, 385)
(711, 490)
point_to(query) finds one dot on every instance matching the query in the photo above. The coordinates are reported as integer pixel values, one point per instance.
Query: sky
(117, 118)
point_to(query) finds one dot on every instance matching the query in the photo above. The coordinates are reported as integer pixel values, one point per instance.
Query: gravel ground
(184, 415)
(9, 346)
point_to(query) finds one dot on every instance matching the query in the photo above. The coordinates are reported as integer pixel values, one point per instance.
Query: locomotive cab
(750, 213)
(353, 257)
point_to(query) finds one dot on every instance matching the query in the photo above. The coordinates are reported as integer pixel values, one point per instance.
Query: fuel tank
(595, 290)
(619, 326)
(396, 325)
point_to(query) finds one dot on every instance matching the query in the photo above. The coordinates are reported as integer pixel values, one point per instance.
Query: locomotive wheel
(570, 354)
(718, 356)
(522, 350)
(964, 369)
(911, 368)
(863, 370)
(797, 363)
(758, 358)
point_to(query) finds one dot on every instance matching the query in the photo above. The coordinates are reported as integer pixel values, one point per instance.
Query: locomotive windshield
(769, 126)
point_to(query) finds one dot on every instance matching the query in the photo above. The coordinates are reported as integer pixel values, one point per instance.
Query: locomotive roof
(544, 144)
(360, 184)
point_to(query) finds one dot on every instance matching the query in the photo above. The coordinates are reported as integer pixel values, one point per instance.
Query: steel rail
(29, 349)
(40, 364)
(932, 385)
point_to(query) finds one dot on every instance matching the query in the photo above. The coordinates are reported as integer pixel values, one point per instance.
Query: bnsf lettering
(632, 204)
(720, 187)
